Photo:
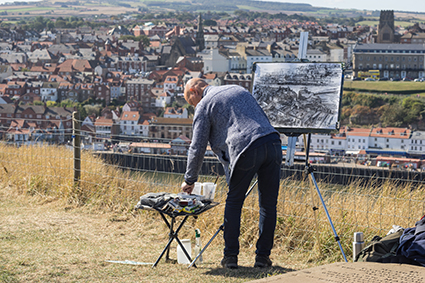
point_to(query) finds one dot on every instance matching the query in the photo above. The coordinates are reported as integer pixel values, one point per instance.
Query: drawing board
(299, 97)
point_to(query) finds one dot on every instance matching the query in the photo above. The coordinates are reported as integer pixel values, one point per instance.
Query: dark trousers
(265, 160)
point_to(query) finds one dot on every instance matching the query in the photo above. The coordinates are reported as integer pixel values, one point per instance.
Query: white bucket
(181, 257)
(209, 190)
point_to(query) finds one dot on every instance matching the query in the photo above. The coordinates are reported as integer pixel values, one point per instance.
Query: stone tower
(200, 40)
(386, 27)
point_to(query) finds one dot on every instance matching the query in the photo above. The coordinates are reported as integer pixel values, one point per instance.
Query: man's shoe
(262, 261)
(230, 261)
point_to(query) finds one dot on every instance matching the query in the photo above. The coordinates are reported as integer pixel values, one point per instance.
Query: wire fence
(366, 201)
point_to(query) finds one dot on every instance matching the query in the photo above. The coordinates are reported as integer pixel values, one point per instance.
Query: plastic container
(181, 257)
(197, 189)
(209, 191)
(198, 245)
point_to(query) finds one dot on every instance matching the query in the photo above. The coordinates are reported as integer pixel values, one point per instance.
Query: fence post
(76, 127)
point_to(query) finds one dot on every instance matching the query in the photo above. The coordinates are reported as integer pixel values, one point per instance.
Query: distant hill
(225, 5)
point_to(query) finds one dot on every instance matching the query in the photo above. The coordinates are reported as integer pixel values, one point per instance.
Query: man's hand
(187, 188)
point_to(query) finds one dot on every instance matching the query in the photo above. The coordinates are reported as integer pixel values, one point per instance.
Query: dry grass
(53, 231)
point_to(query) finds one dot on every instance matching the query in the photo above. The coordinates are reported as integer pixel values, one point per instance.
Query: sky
(396, 5)
(8, 1)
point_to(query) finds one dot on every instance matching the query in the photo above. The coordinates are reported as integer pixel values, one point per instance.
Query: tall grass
(303, 231)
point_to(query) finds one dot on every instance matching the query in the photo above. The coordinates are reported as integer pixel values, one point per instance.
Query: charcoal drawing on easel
(302, 96)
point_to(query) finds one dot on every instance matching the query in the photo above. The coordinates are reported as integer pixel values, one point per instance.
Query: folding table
(173, 234)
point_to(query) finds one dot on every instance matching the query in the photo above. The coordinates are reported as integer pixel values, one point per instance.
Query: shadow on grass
(249, 272)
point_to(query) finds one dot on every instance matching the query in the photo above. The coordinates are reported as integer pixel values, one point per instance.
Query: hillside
(51, 8)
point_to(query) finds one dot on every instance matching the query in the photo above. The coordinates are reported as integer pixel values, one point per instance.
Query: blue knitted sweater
(230, 119)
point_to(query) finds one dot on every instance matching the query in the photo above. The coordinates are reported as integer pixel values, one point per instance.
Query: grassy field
(53, 231)
(383, 86)
(33, 10)
(376, 23)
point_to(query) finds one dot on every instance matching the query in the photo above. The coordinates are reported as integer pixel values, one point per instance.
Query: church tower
(200, 40)
(386, 27)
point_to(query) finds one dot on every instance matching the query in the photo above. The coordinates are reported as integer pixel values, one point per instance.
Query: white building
(352, 140)
(49, 91)
(163, 99)
(170, 83)
(144, 129)
(256, 56)
(214, 61)
(211, 40)
(416, 143)
(129, 123)
(389, 138)
(237, 62)
(320, 142)
(316, 55)
(336, 54)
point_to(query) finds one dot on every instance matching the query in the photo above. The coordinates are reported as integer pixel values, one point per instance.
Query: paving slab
(348, 272)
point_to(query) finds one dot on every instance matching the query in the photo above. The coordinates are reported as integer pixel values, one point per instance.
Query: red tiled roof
(390, 132)
(130, 116)
(101, 121)
(357, 132)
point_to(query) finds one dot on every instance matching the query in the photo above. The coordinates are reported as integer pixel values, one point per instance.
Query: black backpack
(380, 249)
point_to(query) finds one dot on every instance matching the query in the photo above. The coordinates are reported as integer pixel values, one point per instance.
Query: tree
(345, 112)
(413, 108)
(50, 25)
(210, 23)
(93, 109)
(144, 39)
(127, 37)
(60, 24)
(51, 103)
(391, 115)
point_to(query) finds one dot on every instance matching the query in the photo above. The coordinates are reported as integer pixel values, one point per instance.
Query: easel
(309, 170)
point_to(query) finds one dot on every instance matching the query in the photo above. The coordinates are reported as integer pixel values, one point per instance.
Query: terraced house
(393, 60)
